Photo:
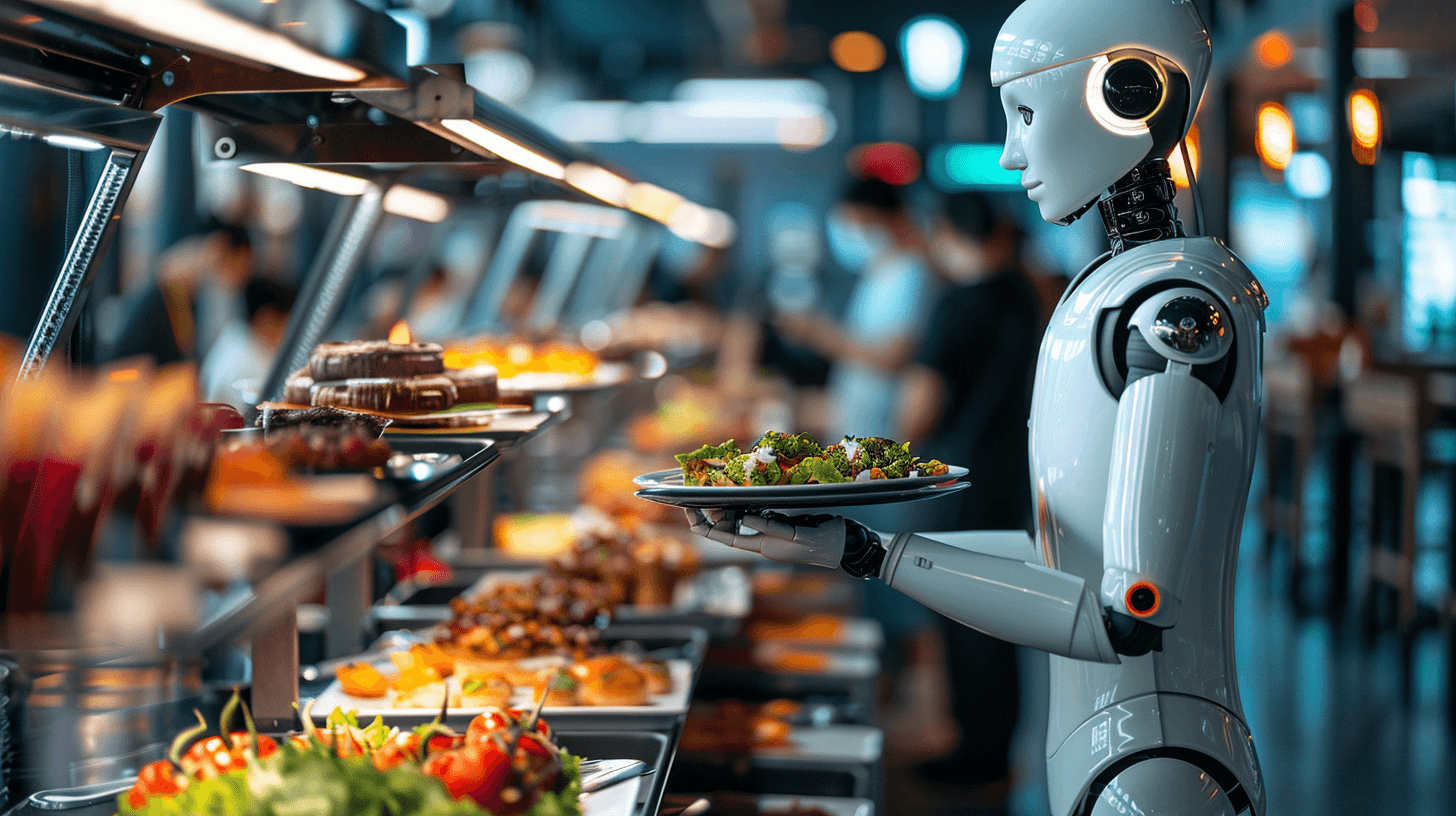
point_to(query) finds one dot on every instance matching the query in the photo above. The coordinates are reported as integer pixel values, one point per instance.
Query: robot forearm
(1013, 600)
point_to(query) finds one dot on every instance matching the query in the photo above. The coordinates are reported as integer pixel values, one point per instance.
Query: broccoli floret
(736, 471)
(722, 452)
(898, 469)
(793, 447)
(821, 470)
(765, 474)
(834, 455)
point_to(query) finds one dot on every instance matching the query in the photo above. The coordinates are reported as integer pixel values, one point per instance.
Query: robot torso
(1183, 697)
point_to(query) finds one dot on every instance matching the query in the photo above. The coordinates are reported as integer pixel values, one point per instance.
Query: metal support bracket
(98, 227)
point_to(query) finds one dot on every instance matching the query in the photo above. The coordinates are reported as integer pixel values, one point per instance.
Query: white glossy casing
(1187, 694)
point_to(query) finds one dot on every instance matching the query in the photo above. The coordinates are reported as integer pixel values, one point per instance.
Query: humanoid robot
(1143, 429)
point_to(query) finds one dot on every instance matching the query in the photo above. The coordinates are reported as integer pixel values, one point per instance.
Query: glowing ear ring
(1125, 91)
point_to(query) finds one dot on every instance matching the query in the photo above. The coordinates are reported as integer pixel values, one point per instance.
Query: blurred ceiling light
(507, 149)
(499, 73)
(653, 201)
(1175, 159)
(1274, 137)
(1308, 175)
(1420, 192)
(857, 51)
(1273, 49)
(573, 217)
(1365, 16)
(1382, 63)
(800, 133)
(1365, 125)
(412, 202)
(970, 167)
(195, 23)
(752, 91)
(933, 49)
(598, 182)
(692, 222)
(313, 178)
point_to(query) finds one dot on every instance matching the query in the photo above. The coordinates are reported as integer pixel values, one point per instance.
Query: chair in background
(1290, 434)
(1384, 409)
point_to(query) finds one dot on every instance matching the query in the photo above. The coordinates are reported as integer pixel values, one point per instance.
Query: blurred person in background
(238, 362)
(872, 234)
(196, 296)
(966, 400)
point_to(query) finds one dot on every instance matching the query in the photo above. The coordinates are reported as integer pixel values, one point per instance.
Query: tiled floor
(1334, 733)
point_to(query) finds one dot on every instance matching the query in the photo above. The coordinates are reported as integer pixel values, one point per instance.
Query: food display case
(208, 600)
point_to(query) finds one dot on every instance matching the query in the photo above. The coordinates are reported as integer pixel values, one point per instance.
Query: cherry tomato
(533, 758)
(210, 758)
(159, 778)
(495, 719)
(405, 747)
(481, 772)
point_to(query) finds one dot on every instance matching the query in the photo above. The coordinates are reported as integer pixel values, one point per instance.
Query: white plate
(662, 707)
(666, 487)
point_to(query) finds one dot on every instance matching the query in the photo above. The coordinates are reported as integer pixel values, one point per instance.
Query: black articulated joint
(863, 552)
(1140, 208)
(1130, 636)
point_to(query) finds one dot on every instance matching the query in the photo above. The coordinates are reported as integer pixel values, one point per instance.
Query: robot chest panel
(1072, 422)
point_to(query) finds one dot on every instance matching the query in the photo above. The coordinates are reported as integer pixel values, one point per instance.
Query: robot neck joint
(1139, 207)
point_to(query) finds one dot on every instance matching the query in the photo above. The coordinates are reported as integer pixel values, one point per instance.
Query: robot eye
(1025, 114)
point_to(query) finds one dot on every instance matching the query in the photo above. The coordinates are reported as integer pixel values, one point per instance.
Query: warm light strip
(693, 222)
(312, 177)
(653, 201)
(412, 202)
(194, 23)
(507, 149)
(599, 183)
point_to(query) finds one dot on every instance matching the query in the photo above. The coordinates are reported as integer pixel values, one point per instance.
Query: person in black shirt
(967, 401)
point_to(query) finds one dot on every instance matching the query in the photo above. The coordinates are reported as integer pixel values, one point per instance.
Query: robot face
(1062, 140)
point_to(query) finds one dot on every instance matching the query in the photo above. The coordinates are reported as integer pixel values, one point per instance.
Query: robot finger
(772, 524)
(720, 526)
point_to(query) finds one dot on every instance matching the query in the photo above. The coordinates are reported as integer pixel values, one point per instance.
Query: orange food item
(363, 680)
(816, 627)
(798, 662)
(622, 685)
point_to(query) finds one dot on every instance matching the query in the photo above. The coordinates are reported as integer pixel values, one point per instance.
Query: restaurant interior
(363, 356)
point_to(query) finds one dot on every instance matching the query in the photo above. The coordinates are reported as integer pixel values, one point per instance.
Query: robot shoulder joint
(1185, 325)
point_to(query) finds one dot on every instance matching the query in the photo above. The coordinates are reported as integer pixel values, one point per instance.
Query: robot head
(1093, 88)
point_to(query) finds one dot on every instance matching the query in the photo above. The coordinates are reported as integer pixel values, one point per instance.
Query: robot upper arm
(1159, 326)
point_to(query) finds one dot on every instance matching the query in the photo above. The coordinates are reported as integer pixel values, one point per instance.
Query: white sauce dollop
(864, 476)
(763, 455)
(851, 448)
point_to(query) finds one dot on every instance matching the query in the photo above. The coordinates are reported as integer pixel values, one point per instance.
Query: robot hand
(820, 540)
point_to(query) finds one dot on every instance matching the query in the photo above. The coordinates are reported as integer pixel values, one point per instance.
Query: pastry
(298, 388)
(416, 395)
(367, 359)
(561, 688)
(485, 691)
(475, 384)
(621, 685)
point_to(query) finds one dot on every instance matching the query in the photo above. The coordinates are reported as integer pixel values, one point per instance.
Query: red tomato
(482, 773)
(159, 778)
(533, 758)
(405, 747)
(242, 742)
(495, 719)
(210, 758)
